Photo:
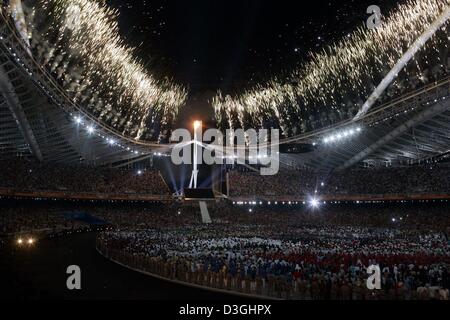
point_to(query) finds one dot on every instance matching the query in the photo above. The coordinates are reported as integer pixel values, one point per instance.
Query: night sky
(231, 45)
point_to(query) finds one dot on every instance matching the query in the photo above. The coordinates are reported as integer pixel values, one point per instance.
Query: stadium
(322, 175)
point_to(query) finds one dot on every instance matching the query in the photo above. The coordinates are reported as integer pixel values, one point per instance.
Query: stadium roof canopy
(410, 129)
(38, 119)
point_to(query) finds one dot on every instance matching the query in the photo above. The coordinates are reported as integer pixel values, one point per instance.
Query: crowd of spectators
(33, 217)
(19, 215)
(31, 176)
(405, 180)
(22, 175)
(37, 220)
(421, 216)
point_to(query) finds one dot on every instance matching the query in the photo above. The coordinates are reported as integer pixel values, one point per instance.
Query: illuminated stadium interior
(87, 121)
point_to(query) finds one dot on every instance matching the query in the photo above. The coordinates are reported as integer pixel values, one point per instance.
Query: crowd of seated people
(18, 215)
(31, 176)
(25, 175)
(33, 217)
(415, 215)
(38, 220)
(405, 180)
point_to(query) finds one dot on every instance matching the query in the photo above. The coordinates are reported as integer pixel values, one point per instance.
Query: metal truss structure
(38, 119)
(410, 129)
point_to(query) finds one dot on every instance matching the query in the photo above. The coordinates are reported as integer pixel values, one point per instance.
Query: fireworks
(79, 42)
(334, 84)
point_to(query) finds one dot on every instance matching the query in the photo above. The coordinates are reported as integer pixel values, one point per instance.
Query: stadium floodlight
(314, 203)
(77, 119)
(90, 129)
(111, 141)
(341, 135)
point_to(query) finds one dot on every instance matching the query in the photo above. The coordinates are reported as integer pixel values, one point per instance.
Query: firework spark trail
(79, 41)
(417, 45)
(349, 67)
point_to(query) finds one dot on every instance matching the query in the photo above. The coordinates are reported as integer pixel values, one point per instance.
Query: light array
(110, 141)
(310, 202)
(30, 241)
(341, 135)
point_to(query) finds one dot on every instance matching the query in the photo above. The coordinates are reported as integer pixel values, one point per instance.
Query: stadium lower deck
(292, 251)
